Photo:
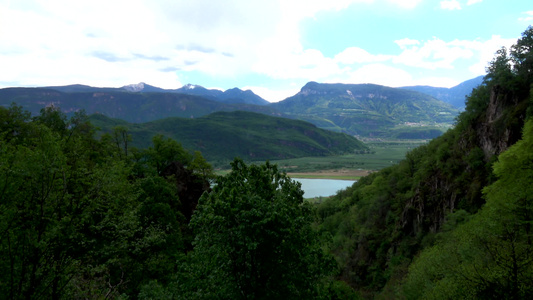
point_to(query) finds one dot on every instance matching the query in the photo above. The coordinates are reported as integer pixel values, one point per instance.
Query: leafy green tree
(200, 166)
(254, 239)
(53, 118)
(164, 152)
(77, 220)
(121, 138)
(32, 206)
(522, 55)
(13, 122)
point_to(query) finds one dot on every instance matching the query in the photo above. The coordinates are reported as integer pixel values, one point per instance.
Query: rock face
(503, 122)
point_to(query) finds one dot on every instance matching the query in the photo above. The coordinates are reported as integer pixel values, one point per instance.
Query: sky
(272, 47)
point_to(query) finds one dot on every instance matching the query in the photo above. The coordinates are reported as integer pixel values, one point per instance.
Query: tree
(121, 137)
(13, 122)
(164, 152)
(53, 118)
(522, 55)
(201, 166)
(254, 238)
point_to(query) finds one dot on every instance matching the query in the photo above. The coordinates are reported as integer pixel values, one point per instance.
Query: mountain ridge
(221, 136)
(131, 107)
(455, 95)
(364, 109)
(234, 95)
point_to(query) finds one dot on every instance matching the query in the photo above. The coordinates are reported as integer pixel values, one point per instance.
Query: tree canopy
(254, 238)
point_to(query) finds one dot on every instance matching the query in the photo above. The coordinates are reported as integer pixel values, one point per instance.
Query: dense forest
(89, 216)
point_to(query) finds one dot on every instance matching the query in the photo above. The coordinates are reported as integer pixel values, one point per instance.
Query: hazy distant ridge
(455, 95)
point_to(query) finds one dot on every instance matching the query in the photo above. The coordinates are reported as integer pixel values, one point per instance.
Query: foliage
(489, 256)
(79, 218)
(82, 217)
(254, 239)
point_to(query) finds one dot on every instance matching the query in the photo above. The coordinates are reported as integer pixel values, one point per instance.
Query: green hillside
(366, 110)
(222, 136)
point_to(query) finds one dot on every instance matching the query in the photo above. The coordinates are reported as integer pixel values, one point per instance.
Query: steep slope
(129, 106)
(455, 96)
(364, 109)
(251, 136)
(382, 222)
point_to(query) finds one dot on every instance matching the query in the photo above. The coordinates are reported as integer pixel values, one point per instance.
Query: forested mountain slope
(366, 110)
(381, 223)
(222, 136)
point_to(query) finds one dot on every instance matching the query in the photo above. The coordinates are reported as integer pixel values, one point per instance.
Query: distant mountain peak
(136, 87)
(190, 86)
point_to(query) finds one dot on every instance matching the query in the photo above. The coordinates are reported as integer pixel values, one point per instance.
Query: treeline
(453, 219)
(87, 217)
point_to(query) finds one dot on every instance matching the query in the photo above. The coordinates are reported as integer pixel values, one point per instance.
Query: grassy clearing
(384, 154)
(347, 167)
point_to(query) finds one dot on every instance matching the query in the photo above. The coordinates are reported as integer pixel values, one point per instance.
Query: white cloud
(377, 74)
(279, 62)
(113, 43)
(485, 52)
(450, 4)
(150, 37)
(353, 55)
(404, 43)
(528, 18)
(432, 54)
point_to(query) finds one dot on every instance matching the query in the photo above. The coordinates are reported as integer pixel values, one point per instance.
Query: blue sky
(272, 47)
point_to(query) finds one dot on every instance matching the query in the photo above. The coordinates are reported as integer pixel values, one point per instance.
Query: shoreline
(331, 174)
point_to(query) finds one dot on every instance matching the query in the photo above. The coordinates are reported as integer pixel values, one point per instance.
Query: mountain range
(364, 110)
(132, 107)
(234, 95)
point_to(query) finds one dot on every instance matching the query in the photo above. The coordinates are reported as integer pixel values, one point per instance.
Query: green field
(384, 154)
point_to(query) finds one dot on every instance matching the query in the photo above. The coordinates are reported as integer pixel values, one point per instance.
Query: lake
(322, 187)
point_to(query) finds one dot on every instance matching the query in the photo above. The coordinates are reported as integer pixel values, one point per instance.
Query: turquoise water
(322, 187)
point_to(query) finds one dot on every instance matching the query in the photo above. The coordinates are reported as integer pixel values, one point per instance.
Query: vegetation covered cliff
(388, 218)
